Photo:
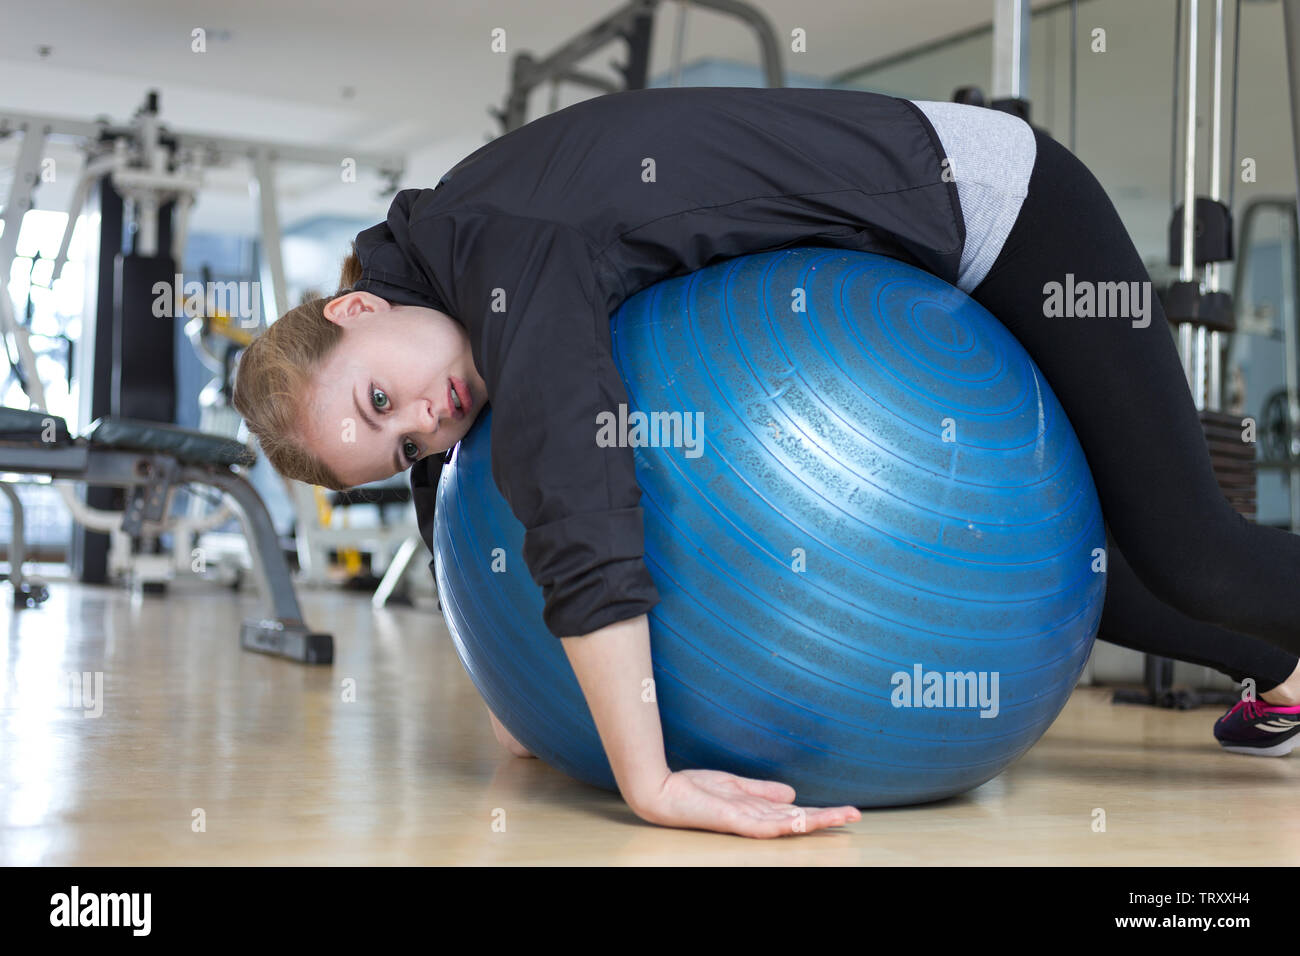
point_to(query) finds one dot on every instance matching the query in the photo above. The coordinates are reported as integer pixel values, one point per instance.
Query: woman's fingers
(776, 814)
(783, 794)
(802, 820)
(725, 803)
(807, 819)
(771, 819)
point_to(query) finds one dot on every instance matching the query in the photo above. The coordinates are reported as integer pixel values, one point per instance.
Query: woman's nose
(426, 416)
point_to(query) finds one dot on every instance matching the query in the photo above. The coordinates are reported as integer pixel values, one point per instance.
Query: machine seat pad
(24, 425)
(188, 446)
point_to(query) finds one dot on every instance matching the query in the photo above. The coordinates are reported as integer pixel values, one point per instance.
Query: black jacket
(532, 241)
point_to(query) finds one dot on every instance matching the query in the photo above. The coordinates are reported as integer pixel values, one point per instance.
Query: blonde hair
(276, 371)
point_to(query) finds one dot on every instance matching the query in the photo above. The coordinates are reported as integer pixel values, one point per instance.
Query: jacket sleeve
(540, 334)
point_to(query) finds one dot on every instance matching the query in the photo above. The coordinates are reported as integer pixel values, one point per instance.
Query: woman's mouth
(459, 399)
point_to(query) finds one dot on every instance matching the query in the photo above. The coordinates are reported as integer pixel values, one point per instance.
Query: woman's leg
(1134, 617)
(1122, 386)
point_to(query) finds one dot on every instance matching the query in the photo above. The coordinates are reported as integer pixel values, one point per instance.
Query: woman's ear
(346, 310)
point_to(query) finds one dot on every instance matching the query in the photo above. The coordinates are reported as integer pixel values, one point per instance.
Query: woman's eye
(410, 450)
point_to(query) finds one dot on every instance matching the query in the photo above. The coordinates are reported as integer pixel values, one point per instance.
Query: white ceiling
(415, 76)
(421, 76)
(419, 68)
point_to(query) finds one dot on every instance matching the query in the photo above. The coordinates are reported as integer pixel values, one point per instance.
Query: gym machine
(1201, 313)
(1279, 425)
(1279, 442)
(148, 176)
(634, 25)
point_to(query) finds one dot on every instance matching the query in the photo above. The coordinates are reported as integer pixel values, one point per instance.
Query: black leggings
(1188, 577)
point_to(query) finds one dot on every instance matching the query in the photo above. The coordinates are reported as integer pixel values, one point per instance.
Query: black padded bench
(149, 459)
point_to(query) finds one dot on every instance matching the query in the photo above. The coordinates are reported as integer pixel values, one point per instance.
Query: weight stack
(1233, 460)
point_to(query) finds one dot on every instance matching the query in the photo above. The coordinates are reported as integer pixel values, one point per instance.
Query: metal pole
(1187, 272)
(1291, 29)
(1236, 76)
(1010, 49)
(26, 174)
(26, 171)
(1215, 386)
(1173, 112)
(1291, 364)
(1216, 111)
(679, 42)
(769, 51)
(218, 149)
(1074, 70)
(264, 183)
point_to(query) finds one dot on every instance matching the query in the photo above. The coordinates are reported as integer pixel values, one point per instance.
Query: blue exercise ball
(880, 561)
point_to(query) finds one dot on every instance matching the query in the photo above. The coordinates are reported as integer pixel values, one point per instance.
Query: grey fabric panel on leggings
(991, 157)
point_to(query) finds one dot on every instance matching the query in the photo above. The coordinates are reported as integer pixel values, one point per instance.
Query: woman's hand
(506, 739)
(725, 803)
(613, 668)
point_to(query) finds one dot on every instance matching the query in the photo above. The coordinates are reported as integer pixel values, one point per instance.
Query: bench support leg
(285, 634)
(27, 592)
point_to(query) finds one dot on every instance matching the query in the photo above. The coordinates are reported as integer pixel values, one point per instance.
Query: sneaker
(1259, 728)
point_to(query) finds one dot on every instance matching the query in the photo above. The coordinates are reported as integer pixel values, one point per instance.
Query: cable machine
(634, 25)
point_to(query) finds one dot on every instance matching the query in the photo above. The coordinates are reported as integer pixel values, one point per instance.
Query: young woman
(498, 285)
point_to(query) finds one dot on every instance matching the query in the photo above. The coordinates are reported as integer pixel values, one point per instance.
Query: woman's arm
(613, 668)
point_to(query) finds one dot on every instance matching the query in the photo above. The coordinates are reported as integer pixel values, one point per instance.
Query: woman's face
(384, 397)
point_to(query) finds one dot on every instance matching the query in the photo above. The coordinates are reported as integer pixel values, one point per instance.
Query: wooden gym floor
(281, 770)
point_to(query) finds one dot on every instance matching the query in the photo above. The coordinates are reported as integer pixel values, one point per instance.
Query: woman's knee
(1186, 568)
